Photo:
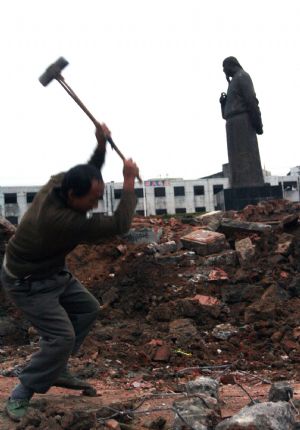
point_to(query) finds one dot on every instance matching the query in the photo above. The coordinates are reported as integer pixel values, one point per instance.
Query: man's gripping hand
(130, 172)
(102, 133)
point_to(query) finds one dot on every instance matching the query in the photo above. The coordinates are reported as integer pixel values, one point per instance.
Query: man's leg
(82, 308)
(39, 300)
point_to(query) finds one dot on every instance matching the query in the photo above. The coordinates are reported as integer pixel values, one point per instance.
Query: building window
(200, 209)
(118, 193)
(290, 185)
(161, 211)
(12, 219)
(179, 191)
(198, 190)
(217, 188)
(159, 191)
(180, 210)
(140, 212)
(10, 198)
(139, 192)
(30, 197)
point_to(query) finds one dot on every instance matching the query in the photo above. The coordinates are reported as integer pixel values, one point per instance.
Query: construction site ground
(165, 317)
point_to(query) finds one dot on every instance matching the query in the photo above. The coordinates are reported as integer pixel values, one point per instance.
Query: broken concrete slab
(205, 242)
(143, 235)
(229, 225)
(261, 416)
(211, 220)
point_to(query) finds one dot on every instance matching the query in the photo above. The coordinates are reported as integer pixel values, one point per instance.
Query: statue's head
(231, 66)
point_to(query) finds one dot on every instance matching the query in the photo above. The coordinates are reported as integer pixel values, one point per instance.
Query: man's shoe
(66, 380)
(16, 409)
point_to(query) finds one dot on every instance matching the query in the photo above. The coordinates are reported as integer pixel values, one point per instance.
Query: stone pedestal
(238, 198)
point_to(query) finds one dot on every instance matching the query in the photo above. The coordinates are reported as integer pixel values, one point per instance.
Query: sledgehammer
(54, 72)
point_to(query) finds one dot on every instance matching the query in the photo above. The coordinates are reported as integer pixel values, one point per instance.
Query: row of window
(11, 198)
(178, 191)
(179, 210)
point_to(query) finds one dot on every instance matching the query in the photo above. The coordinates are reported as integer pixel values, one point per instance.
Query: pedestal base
(238, 198)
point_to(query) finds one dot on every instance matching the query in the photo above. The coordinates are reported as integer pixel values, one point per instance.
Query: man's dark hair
(79, 179)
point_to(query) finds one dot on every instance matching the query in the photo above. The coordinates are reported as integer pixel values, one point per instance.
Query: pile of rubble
(200, 292)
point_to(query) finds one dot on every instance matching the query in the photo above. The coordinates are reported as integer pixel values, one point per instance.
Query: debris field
(213, 296)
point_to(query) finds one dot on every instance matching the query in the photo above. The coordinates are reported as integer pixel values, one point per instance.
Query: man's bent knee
(65, 344)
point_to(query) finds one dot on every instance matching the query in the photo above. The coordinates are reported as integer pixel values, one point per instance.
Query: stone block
(245, 251)
(205, 242)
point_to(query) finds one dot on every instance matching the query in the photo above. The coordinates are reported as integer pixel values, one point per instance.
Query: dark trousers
(62, 311)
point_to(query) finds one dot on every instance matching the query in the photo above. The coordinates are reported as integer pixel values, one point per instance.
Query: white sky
(150, 69)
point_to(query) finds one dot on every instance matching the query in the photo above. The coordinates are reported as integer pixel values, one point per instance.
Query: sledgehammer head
(53, 71)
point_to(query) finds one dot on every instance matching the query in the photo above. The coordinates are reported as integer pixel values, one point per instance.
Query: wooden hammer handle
(69, 90)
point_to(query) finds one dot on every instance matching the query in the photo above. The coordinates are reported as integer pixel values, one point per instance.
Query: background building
(155, 196)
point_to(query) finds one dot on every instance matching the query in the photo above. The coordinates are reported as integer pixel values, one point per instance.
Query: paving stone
(205, 242)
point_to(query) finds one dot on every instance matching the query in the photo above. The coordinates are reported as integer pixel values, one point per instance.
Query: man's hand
(223, 98)
(130, 172)
(102, 132)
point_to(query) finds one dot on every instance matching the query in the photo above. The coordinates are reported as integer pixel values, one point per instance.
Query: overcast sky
(152, 70)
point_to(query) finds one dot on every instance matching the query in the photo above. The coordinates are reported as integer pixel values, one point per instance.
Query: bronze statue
(241, 111)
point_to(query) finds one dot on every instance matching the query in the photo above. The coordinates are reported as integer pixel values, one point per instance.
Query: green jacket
(50, 229)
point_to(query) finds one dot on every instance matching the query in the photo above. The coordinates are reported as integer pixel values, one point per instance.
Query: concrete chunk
(205, 242)
(245, 251)
(228, 224)
(198, 413)
(280, 391)
(261, 416)
(204, 385)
